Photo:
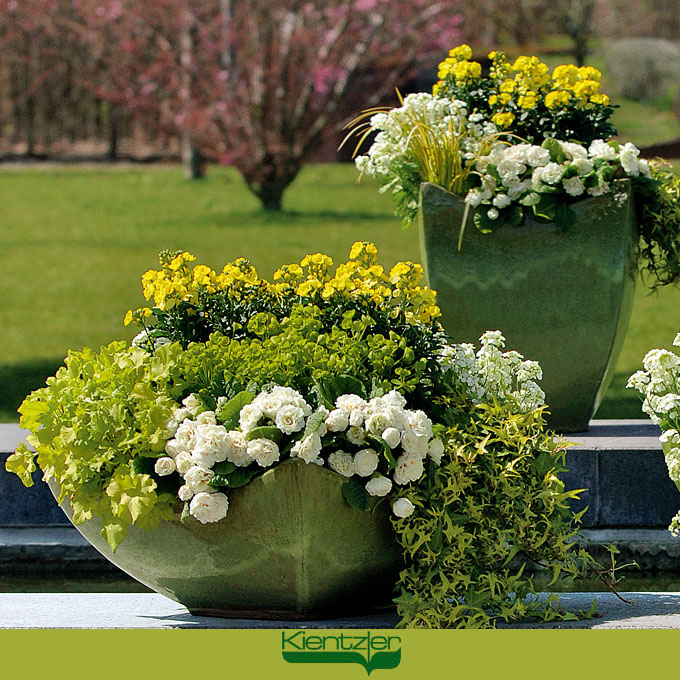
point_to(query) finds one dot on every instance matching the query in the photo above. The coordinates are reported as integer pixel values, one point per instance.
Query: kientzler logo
(367, 649)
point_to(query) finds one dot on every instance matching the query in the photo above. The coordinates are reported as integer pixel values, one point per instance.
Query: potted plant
(659, 385)
(308, 446)
(531, 219)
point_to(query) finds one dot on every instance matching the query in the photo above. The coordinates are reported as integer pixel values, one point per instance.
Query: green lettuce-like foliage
(101, 411)
(492, 512)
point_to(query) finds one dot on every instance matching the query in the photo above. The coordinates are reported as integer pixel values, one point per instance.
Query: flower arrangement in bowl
(308, 445)
(563, 216)
(659, 385)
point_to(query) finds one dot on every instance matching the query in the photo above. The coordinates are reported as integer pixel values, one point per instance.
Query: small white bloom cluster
(520, 173)
(197, 442)
(443, 118)
(492, 374)
(659, 384)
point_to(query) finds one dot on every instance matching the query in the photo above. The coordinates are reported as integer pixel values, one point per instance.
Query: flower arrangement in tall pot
(525, 201)
(317, 431)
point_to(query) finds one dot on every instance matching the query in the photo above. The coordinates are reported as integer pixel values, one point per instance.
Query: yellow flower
(528, 100)
(128, 318)
(557, 98)
(599, 98)
(503, 120)
(461, 52)
(507, 86)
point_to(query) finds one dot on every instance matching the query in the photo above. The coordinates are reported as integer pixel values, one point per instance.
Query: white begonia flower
(419, 423)
(264, 452)
(350, 402)
(308, 448)
(551, 173)
(180, 414)
(492, 213)
(392, 437)
(409, 468)
(197, 478)
(209, 507)
(473, 198)
(643, 167)
(628, 157)
(356, 418)
(501, 201)
(290, 419)
(269, 403)
(585, 166)
(515, 191)
(377, 423)
(599, 189)
(337, 420)
(249, 417)
(206, 418)
(414, 444)
(193, 403)
(573, 186)
(185, 437)
(395, 398)
(676, 342)
(600, 149)
(237, 448)
(172, 448)
(164, 466)
(210, 445)
(538, 156)
(184, 493)
(403, 507)
(379, 486)
(365, 462)
(342, 463)
(183, 462)
(355, 435)
(435, 450)
(574, 151)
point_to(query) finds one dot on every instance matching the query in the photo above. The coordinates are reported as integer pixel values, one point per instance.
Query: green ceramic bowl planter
(563, 299)
(289, 548)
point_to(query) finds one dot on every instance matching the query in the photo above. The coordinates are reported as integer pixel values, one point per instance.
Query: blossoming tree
(257, 84)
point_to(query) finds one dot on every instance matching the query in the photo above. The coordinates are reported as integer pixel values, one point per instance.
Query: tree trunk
(270, 180)
(192, 159)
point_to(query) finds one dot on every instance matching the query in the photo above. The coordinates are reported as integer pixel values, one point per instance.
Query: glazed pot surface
(562, 299)
(290, 547)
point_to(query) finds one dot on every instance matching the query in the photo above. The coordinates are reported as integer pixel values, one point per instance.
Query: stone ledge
(148, 611)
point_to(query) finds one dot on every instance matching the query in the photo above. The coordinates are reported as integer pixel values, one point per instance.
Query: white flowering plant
(348, 370)
(518, 143)
(659, 385)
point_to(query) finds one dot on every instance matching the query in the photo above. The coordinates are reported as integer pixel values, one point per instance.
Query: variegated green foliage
(492, 512)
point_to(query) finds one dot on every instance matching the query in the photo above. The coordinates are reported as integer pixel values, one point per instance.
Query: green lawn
(74, 242)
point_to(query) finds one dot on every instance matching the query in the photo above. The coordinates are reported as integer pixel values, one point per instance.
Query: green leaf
(356, 495)
(224, 468)
(22, 463)
(114, 531)
(185, 512)
(484, 223)
(380, 445)
(228, 414)
(555, 149)
(314, 422)
(241, 476)
(265, 432)
(513, 216)
(330, 388)
(218, 481)
(143, 465)
(545, 208)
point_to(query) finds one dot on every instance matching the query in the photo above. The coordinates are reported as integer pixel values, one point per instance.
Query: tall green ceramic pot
(562, 299)
(289, 548)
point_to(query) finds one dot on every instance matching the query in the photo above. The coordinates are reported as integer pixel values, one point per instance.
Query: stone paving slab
(148, 611)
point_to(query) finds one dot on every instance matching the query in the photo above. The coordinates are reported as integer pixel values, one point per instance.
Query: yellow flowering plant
(526, 99)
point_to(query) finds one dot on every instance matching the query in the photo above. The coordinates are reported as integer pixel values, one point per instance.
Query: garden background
(91, 180)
